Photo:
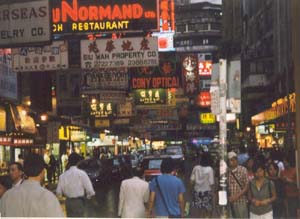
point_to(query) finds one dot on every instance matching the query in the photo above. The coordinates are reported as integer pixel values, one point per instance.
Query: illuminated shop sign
(125, 52)
(81, 16)
(204, 99)
(150, 96)
(76, 133)
(5, 140)
(107, 96)
(163, 76)
(207, 118)
(190, 74)
(167, 15)
(101, 110)
(22, 142)
(205, 68)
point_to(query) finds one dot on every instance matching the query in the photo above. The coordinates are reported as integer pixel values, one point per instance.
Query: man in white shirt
(134, 193)
(74, 184)
(16, 173)
(30, 199)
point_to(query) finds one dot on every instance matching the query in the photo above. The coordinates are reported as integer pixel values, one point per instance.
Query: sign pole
(223, 138)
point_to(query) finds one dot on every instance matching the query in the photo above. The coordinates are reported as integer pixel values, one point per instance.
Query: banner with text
(98, 79)
(163, 76)
(125, 52)
(82, 16)
(46, 58)
(190, 74)
(24, 22)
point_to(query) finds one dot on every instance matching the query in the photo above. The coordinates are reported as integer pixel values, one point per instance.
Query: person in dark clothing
(51, 169)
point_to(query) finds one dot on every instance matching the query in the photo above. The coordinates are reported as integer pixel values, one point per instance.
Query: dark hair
(205, 160)
(258, 165)
(139, 172)
(19, 166)
(20, 156)
(274, 165)
(167, 165)
(74, 159)
(33, 165)
(6, 181)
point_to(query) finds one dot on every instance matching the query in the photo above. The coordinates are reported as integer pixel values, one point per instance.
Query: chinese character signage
(107, 96)
(24, 23)
(150, 96)
(207, 118)
(124, 52)
(190, 74)
(163, 76)
(101, 110)
(98, 79)
(46, 58)
(204, 99)
(8, 78)
(81, 16)
(205, 68)
(167, 15)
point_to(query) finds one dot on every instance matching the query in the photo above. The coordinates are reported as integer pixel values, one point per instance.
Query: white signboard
(125, 52)
(46, 58)
(24, 22)
(8, 78)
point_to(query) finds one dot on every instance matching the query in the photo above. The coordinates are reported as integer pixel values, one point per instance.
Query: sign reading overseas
(52, 57)
(125, 52)
(207, 118)
(82, 16)
(24, 22)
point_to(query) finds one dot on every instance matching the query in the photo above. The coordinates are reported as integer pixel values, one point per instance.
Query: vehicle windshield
(174, 151)
(154, 164)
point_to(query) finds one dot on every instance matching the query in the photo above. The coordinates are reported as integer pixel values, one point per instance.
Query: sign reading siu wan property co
(52, 57)
(24, 22)
(125, 52)
(82, 16)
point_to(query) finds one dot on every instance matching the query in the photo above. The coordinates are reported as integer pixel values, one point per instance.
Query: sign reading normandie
(24, 22)
(82, 16)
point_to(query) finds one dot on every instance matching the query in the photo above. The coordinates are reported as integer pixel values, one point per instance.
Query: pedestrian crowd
(259, 186)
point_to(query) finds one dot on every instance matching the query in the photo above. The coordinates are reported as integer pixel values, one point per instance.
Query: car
(151, 165)
(94, 169)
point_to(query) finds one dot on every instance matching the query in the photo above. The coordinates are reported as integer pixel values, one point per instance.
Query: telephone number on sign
(139, 62)
(105, 64)
(127, 63)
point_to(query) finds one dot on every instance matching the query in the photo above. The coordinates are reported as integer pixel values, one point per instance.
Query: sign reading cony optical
(81, 16)
(24, 22)
(125, 52)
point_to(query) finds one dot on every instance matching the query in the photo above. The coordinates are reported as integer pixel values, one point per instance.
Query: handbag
(164, 201)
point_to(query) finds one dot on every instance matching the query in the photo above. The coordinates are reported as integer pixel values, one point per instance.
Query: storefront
(274, 125)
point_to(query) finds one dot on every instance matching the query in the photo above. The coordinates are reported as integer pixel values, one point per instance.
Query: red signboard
(167, 15)
(205, 68)
(82, 16)
(204, 99)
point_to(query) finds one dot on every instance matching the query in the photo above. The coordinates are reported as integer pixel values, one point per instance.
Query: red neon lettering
(83, 13)
(127, 11)
(137, 11)
(55, 15)
(93, 13)
(105, 12)
(67, 10)
(116, 13)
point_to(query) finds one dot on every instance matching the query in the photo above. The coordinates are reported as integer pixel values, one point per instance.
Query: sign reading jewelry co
(52, 57)
(24, 22)
(125, 52)
(82, 16)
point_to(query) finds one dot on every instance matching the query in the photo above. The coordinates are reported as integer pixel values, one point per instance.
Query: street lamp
(44, 117)
(248, 129)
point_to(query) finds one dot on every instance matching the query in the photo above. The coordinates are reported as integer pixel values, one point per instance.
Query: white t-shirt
(203, 177)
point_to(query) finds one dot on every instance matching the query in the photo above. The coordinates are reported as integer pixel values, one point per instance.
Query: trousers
(75, 207)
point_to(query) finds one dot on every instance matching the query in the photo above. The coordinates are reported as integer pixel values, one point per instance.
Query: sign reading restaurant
(125, 52)
(24, 22)
(82, 16)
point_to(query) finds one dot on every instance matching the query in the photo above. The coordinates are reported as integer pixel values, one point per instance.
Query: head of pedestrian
(232, 159)
(273, 170)
(74, 159)
(34, 167)
(5, 184)
(168, 166)
(289, 161)
(16, 172)
(259, 170)
(205, 160)
(138, 172)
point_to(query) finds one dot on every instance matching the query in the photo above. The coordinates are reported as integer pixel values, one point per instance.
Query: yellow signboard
(2, 120)
(207, 118)
(76, 133)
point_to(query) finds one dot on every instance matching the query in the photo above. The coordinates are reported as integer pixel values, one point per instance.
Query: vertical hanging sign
(190, 74)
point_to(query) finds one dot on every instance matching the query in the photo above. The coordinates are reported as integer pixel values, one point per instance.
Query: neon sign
(76, 16)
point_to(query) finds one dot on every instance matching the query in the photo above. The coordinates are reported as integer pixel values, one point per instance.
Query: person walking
(30, 199)
(134, 193)
(75, 184)
(261, 194)
(166, 192)
(202, 178)
(16, 173)
(237, 187)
